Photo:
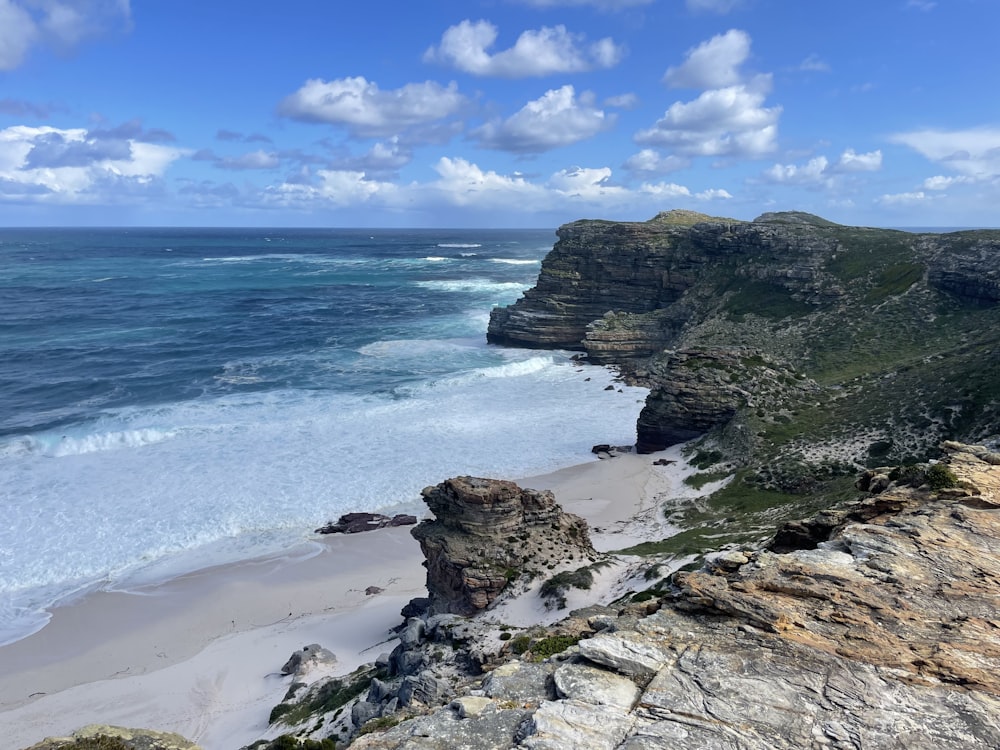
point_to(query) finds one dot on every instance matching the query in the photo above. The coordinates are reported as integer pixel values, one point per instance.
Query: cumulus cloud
(713, 6)
(622, 101)
(712, 64)
(365, 109)
(850, 161)
(557, 118)
(902, 199)
(973, 153)
(730, 121)
(383, 157)
(651, 161)
(77, 166)
(814, 64)
(548, 50)
(819, 171)
(941, 182)
(62, 24)
(811, 173)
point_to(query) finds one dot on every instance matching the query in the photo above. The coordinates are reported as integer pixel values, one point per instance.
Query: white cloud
(850, 161)
(820, 172)
(59, 23)
(17, 33)
(712, 64)
(713, 194)
(365, 109)
(335, 187)
(651, 161)
(902, 199)
(941, 182)
(974, 152)
(535, 53)
(811, 173)
(622, 101)
(924, 5)
(73, 166)
(557, 118)
(730, 121)
(814, 64)
(713, 6)
(253, 160)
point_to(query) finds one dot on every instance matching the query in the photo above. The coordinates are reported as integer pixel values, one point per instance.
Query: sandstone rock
(470, 706)
(570, 724)
(485, 533)
(625, 652)
(595, 686)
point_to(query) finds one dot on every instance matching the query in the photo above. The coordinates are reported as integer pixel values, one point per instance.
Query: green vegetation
(98, 742)
(554, 644)
(940, 477)
(894, 280)
(379, 724)
(697, 481)
(288, 742)
(328, 697)
(763, 298)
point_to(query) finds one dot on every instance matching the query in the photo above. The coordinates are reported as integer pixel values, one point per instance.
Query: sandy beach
(200, 655)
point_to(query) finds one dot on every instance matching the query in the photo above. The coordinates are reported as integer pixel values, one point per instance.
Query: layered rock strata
(889, 322)
(882, 633)
(488, 532)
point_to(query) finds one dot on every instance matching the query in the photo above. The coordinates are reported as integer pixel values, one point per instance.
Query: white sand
(200, 655)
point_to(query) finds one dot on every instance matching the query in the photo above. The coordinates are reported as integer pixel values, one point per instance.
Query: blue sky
(507, 113)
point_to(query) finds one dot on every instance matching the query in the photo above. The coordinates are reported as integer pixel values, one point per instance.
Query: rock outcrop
(886, 321)
(487, 533)
(103, 737)
(882, 633)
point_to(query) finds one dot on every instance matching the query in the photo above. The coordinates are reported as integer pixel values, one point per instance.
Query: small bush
(940, 477)
(378, 725)
(554, 644)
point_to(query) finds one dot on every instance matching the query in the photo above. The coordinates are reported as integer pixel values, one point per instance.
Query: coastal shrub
(520, 644)
(379, 724)
(554, 644)
(940, 477)
(98, 742)
(697, 481)
(329, 697)
(704, 459)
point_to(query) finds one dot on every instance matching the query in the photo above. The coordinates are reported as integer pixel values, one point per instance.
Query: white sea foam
(459, 245)
(516, 261)
(435, 258)
(473, 285)
(185, 485)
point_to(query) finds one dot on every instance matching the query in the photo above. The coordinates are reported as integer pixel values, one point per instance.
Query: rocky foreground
(871, 625)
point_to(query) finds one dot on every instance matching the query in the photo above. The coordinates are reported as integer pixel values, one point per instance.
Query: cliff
(886, 322)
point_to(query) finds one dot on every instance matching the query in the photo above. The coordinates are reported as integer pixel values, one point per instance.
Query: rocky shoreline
(816, 609)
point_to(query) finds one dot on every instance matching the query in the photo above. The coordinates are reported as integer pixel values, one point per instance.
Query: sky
(497, 113)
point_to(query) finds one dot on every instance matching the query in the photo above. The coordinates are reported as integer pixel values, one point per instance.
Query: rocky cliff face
(877, 629)
(887, 323)
(488, 532)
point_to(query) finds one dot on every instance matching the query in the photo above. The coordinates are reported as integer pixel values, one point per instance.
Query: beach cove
(201, 655)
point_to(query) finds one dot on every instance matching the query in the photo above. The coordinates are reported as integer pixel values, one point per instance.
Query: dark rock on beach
(355, 523)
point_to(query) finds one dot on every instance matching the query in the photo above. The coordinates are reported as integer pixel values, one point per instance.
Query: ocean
(173, 399)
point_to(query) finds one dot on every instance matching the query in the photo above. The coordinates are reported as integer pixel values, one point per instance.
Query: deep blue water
(179, 397)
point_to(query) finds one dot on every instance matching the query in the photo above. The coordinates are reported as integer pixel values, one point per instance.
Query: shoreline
(200, 654)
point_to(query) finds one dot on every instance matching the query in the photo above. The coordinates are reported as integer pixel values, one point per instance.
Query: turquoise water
(177, 398)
